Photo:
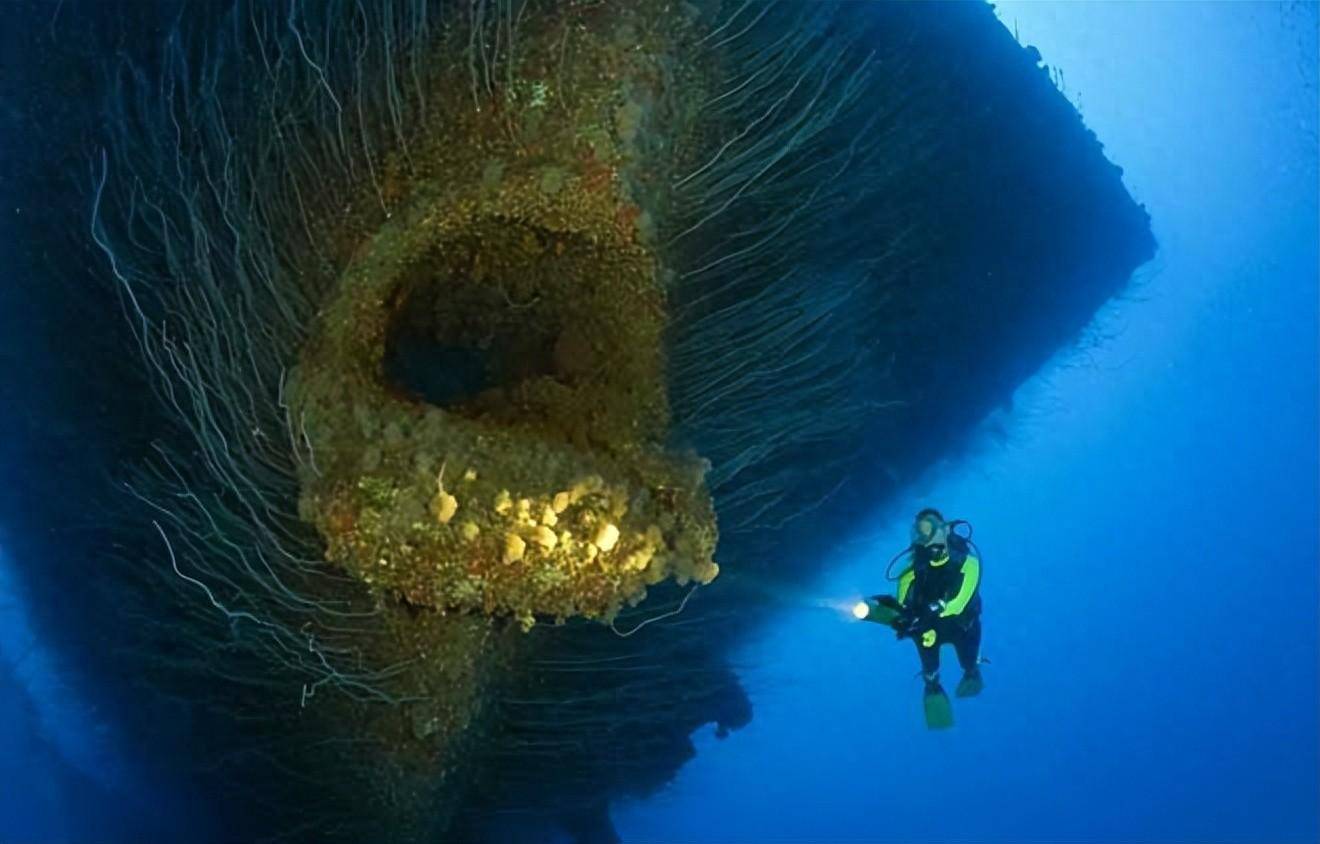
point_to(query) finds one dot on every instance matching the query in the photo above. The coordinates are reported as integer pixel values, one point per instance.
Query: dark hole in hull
(452, 342)
(431, 372)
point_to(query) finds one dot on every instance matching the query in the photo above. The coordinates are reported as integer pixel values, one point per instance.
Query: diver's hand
(913, 620)
(888, 601)
(903, 624)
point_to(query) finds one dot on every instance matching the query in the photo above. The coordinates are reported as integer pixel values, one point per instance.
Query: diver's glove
(931, 615)
(904, 623)
(912, 620)
(889, 602)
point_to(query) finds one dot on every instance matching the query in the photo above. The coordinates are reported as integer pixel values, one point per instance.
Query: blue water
(1147, 511)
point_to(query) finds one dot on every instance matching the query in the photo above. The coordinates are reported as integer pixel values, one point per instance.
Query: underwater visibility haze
(504, 420)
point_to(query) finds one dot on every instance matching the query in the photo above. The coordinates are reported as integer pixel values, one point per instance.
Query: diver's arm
(971, 572)
(905, 585)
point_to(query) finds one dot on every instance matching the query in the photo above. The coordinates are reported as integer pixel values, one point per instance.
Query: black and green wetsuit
(944, 600)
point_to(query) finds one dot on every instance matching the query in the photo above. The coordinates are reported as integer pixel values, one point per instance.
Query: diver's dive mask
(924, 529)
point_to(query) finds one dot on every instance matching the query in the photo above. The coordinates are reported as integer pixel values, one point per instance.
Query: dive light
(880, 609)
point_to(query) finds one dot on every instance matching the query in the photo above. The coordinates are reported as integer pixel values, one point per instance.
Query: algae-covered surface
(550, 491)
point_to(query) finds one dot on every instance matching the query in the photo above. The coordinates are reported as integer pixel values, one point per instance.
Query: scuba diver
(938, 602)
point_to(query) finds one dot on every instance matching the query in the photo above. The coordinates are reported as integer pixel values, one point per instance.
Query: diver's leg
(930, 662)
(934, 702)
(967, 644)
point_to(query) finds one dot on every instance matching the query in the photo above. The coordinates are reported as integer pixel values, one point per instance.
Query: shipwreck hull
(484, 366)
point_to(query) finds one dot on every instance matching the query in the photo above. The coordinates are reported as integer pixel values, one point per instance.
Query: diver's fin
(939, 711)
(971, 684)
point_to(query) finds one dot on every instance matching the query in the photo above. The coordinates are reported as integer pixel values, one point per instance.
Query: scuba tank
(967, 537)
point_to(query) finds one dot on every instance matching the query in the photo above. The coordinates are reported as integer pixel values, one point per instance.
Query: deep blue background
(1147, 511)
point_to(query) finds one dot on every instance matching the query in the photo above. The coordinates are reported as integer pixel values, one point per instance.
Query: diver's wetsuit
(955, 583)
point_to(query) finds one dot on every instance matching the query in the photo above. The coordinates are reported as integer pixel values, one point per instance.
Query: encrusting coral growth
(562, 499)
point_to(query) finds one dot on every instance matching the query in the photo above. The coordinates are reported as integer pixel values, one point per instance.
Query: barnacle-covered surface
(548, 492)
(518, 248)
